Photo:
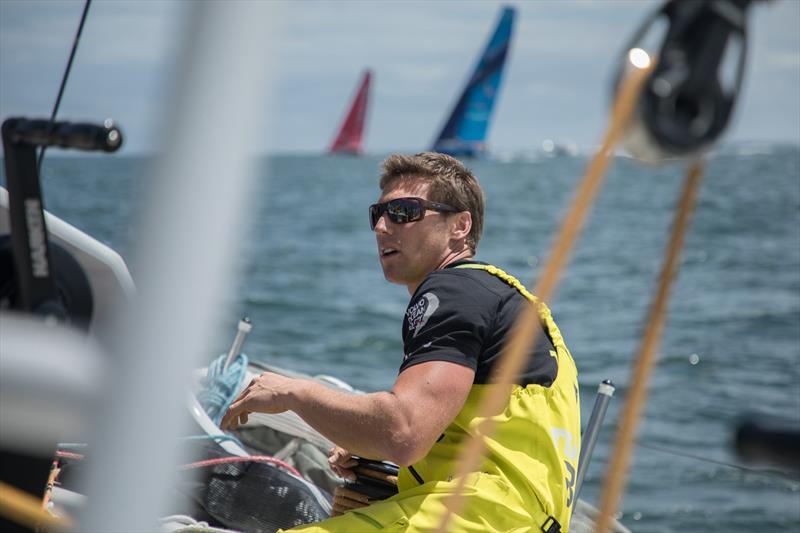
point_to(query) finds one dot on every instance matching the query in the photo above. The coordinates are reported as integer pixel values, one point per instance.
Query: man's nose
(381, 226)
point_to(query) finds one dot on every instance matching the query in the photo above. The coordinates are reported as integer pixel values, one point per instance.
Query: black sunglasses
(405, 210)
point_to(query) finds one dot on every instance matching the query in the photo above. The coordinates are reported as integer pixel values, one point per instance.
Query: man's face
(409, 252)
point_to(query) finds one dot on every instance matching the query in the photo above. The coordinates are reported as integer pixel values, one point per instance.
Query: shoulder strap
(503, 275)
(544, 312)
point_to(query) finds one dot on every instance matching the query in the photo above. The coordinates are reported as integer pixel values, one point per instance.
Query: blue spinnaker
(464, 133)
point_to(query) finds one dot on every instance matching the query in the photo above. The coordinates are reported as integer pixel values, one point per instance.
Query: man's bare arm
(400, 425)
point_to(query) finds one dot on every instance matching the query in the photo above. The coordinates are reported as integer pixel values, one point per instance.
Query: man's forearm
(370, 425)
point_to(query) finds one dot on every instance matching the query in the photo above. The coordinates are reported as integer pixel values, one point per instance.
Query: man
(427, 224)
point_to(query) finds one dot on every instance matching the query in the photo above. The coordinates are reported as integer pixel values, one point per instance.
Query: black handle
(33, 276)
(83, 136)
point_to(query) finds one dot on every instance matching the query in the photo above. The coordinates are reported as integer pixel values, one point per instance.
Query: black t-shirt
(463, 316)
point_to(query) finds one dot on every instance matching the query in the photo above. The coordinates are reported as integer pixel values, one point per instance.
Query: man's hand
(268, 393)
(342, 463)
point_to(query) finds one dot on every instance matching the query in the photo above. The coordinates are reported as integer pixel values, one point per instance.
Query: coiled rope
(220, 386)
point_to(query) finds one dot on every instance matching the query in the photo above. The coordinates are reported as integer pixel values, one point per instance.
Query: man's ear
(461, 224)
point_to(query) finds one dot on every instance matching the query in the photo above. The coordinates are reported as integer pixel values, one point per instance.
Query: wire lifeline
(513, 356)
(64, 78)
(617, 473)
(766, 472)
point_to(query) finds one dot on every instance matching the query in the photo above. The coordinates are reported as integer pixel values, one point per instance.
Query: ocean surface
(311, 283)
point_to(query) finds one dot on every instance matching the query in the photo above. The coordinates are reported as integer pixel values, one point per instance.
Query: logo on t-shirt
(418, 314)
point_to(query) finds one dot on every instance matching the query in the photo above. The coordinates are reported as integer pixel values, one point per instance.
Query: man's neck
(455, 256)
(449, 259)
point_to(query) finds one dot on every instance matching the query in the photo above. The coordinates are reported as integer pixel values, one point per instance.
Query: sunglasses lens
(400, 211)
(375, 213)
(404, 210)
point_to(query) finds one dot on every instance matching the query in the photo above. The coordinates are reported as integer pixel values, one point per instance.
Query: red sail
(348, 140)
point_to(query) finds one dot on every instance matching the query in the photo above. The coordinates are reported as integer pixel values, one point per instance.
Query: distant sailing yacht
(464, 133)
(351, 132)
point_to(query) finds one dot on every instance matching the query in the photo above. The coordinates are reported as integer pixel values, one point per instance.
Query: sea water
(311, 283)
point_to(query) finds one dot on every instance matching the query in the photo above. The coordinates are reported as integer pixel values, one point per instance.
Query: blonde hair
(450, 182)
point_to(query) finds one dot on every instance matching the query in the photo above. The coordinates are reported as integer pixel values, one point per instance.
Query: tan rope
(352, 495)
(343, 502)
(346, 498)
(388, 478)
(26, 510)
(51, 482)
(338, 509)
(347, 503)
(616, 476)
(513, 356)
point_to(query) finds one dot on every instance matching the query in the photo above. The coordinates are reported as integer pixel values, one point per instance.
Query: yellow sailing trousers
(491, 507)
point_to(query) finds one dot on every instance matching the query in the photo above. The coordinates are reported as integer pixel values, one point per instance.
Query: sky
(556, 84)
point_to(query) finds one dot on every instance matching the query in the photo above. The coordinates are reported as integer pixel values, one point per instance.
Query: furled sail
(351, 132)
(464, 133)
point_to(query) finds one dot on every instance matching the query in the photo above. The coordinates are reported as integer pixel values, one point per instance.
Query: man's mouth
(386, 252)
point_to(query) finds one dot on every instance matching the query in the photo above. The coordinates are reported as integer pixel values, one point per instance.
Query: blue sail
(464, 133)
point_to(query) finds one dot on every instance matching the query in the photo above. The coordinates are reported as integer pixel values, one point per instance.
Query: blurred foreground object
(769, 440)
(36, 410)
(687, 101)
